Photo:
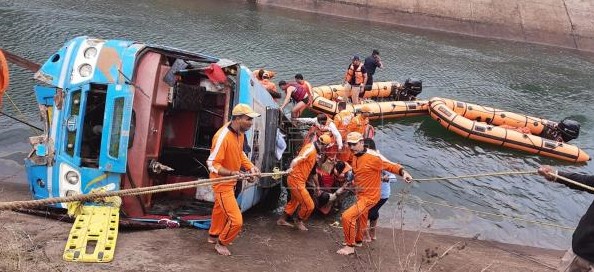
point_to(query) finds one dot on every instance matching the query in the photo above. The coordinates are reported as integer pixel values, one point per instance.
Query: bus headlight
(90, 52)
(85, 70)
(72, 177)
(71, 193)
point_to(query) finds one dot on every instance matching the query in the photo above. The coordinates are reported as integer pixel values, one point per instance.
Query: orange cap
(325, 139)
(244, 109)
(354, 137)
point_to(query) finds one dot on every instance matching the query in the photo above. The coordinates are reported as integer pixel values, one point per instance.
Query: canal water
(548, 82)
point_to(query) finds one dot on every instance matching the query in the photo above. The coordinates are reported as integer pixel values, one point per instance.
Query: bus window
(93, 126)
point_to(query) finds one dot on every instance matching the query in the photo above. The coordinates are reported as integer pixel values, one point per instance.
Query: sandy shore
(32, 243)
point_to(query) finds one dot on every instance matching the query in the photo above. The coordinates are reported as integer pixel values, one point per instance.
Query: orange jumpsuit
(302, 166)
(367, 168)
(342, 121)
(226, 151)
(361, 124)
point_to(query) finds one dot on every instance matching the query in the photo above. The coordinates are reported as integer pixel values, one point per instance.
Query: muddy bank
(563, 23)
(31, 243)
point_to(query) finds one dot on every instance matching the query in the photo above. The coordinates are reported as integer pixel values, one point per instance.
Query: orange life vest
(359, 124)
(4, 78)
(342, 120)
(356, 72)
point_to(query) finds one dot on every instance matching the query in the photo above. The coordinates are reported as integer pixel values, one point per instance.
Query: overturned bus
(122, 114)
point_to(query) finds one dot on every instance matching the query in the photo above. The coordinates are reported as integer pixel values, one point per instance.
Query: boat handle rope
(498, 112)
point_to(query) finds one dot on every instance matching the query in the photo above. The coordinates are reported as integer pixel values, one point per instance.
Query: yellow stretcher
(93, 236)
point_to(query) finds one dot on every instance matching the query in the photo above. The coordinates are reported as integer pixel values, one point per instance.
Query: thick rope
(205, 182)
(590, 188)
(481, 175)
(127, 192)
(456, 177)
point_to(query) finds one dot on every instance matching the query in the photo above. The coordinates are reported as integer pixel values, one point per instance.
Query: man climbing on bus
(298, 94)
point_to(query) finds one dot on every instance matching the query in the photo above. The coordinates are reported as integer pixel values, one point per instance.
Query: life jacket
(356, 72)
(307, 88)
(325, 179)
(342, 120)
(299, 93)
(360, 124)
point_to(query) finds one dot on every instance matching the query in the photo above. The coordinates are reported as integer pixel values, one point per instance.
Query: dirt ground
(33, 243)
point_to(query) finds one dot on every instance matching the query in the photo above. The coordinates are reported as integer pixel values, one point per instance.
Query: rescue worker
(360, 123)
(264, 77)
(300, 168)
(226, 159)
(367, 169)
(385, 192)
(324, 125)
(355, 79)
(580, 257)
(260, 73)
(371, 63)
(342, 120)
(299, 96)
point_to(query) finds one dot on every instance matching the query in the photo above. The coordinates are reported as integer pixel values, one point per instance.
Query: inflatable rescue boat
(441, 110)
(496, 117)
(378, 90)
(390, 90)
(385, 109)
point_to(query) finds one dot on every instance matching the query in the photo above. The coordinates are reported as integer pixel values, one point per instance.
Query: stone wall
(564, 23)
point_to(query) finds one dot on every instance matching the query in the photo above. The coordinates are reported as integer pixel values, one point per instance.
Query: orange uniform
(358, 124)
(302, 166)
(342, 121)
(361, 124)
(226, 151)
(367, 168)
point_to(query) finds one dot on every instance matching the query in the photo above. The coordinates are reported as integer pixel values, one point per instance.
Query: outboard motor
(569, 129)
(412, 87)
